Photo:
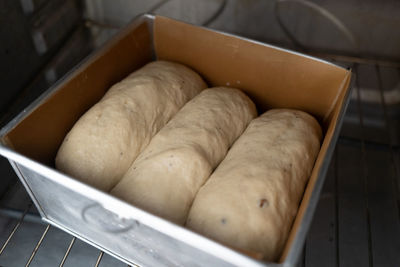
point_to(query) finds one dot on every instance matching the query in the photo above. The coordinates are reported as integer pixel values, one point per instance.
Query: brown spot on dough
(263, 203)
(223, 220)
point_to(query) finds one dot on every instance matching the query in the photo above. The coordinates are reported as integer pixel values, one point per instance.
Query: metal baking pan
(271, 76)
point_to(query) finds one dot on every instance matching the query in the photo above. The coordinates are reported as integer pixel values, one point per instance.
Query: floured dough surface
(251, 199)
(105, 141)
(168, 173)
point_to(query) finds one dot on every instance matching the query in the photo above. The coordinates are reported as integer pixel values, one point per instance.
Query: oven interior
(357, 221)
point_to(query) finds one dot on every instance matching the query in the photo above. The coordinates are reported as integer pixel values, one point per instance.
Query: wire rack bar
(336, 194)
(15, 228)
(364, 167)
(388, 126)
(99, 259)
(67, 252)
(37, 246)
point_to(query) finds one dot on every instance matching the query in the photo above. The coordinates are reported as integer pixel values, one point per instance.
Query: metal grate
(357, 221)
(37, 247)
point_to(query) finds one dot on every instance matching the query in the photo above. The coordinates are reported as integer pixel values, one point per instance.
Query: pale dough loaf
(168, 173)
(105, 141)
(251, 199)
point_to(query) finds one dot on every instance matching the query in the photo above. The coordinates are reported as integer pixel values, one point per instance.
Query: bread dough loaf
(106, 140)
(166, 176)
(251, 199)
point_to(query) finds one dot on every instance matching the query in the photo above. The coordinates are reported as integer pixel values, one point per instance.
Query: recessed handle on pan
(106, 220)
